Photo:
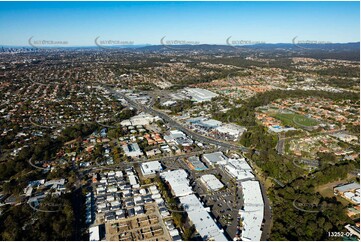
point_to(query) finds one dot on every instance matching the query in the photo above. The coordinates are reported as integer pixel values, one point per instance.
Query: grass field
(292, 119)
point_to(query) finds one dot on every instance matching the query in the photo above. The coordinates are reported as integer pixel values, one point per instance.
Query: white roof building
(349, 195)
(211, 182)
(345, 137)
(153, 189)
(239, 169)
(231, 129)
(252, 215)
(169, 103)
(143, 119)
(132, 150)
(28, 191)
(279, 129)
(201, 219)
(178, 182)
(126, 122)
(150, 168)
(36, 183)
(55, 183)
(178, 137)
(177, 134)
(200, 95)
(175, 235)
(119, 174)
(133, 180)
(204, 123)
(174, 134)
(140, 119)
(356, 199)
(353, 230)
(347, 187)
(353, 197)
(94, 234)
(215, 158)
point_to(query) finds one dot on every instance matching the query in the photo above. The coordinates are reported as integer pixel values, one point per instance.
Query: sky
(80, 23)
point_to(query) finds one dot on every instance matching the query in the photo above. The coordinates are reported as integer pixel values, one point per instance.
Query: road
(98, 167)
(175, 124)
(267, 215)
(281, 143)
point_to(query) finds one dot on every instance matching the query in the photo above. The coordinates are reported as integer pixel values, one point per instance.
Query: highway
(177, 125)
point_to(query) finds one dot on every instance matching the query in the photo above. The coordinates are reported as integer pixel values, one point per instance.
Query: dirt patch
(326, 190)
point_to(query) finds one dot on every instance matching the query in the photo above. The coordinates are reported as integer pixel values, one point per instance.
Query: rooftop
(212, 182)
(216, 157)
(252, 215)
(196, 164)
(239, 169)
(94, 233)
(178, 181)
(200, 95)
(151, 167)
(347, 187)
(201, 219)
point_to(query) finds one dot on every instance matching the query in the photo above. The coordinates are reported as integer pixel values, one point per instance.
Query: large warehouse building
(178, 182)
(203, 223)
(200, 95)
(198, 215)
(252, 214)
(211, 182)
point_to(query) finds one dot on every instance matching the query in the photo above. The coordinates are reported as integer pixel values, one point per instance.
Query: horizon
(82, 24)
(147, 45)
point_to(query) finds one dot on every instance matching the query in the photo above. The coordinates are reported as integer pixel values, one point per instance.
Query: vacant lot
(326, 190)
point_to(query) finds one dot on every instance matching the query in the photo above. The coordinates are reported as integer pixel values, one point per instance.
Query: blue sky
(79, 23)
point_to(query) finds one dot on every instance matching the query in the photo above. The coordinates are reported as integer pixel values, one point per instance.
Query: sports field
(292, 119)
